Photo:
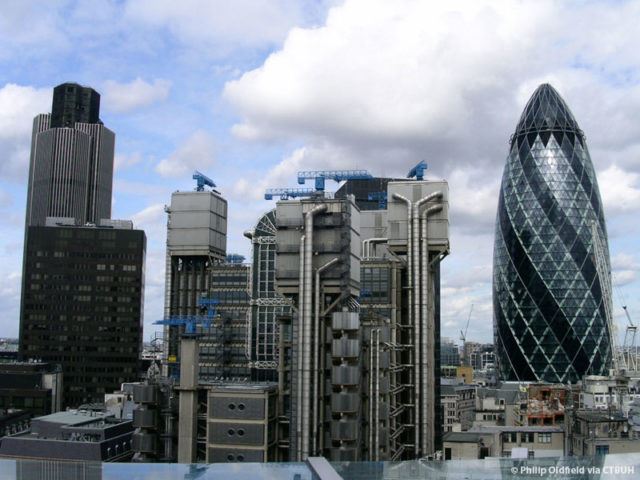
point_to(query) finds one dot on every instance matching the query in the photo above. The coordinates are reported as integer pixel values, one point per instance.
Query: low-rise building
(14, 421)
(501, 406)
(600, 432)
(35, 387)
(546, 404)
(516, 442)
(72, 436)
(458, 405)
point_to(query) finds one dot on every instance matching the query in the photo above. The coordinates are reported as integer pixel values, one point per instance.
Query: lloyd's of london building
(551, 281)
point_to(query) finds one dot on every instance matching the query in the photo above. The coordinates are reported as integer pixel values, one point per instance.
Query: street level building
(597, 432)
(82, 304)
(551, 271)
(510, 442)
(72, 436)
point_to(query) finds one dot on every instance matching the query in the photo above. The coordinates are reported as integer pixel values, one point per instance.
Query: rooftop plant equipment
(418, 171)
(287, 193)
(336, 175)
(202, 181)
(207, 308)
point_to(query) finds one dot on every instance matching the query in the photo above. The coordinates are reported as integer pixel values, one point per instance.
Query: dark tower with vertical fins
(550, 282)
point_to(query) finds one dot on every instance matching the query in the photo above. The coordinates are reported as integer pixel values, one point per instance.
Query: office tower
(551, 280)
(71, 164)
(196, 240)
(359, 356)
(82, 304)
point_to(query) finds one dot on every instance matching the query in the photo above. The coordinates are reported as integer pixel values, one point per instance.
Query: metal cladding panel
(220, 455)
(384, 411)
(414, 191)
(143, 442)
(288, 214)
(197, 222)
(345, 402)
(343, 454)
(346, 347)
(145, 393)
(244, 408)
(344, 430)
(345, 321)
(384, 385)
(236, 433)
(345, 375)
(144, 418)
(373, 224)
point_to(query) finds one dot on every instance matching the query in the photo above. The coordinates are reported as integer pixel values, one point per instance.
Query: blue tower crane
(287, 193)
(202, 181)
(337, 175)
(418, 170)
(208, 308)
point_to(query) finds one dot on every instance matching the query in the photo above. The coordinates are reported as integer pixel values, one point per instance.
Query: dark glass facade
(549, 300)
(82, 300)
(73, 103)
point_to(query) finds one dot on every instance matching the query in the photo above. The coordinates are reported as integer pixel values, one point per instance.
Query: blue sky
(251, 91)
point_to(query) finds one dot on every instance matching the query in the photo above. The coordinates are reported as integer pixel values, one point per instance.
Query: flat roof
(502, 428)
(73, 417)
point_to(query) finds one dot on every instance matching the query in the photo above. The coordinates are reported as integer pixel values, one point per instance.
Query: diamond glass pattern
(549, 317)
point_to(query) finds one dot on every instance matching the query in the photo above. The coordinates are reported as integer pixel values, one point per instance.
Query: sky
(251, 91)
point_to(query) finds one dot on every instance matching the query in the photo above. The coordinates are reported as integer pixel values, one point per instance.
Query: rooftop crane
(336, 175)
(287, 193)
(629, 348)
(202, 181)
(418, 170)
(604, 274)
(463, 334)
(207, 308)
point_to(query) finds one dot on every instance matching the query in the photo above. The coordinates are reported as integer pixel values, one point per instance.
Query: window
(602, 449)
(544, 438)
(526, 437)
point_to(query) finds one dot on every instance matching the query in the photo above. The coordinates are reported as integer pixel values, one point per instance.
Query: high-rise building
(551, 280)
(196, 240)
(359, 357)
(82, 304)
(83, 274)
(71, 165)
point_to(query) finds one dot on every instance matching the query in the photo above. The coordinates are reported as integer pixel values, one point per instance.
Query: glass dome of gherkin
(549, 296)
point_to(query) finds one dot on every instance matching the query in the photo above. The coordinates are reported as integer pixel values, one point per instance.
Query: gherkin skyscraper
(551, 280)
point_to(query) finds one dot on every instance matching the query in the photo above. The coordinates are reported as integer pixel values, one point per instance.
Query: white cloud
(18, 105)
(197, 152)
(125, 97)
(123, 161)
(202, 23)
(619, 189)
(442, 81)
